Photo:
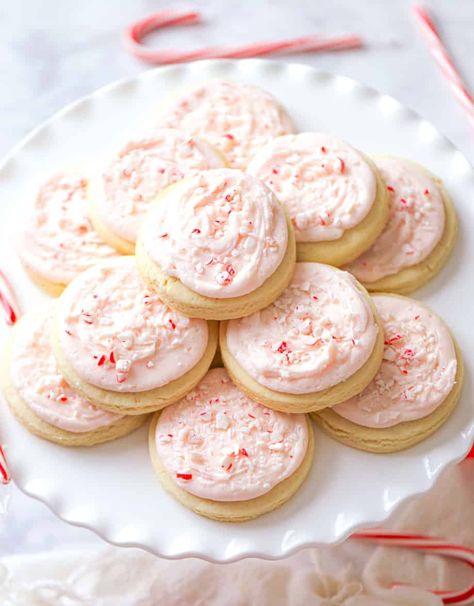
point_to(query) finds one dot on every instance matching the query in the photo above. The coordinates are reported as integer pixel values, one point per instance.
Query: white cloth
(351, 574)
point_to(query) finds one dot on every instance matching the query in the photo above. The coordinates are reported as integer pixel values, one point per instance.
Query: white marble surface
(52, 52)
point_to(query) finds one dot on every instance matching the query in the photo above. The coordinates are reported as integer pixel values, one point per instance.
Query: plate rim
(356, 527)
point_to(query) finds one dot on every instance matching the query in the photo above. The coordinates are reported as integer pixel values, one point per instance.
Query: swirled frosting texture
(221, 232)
(325, 184)
(58, 241)
(418, 370)
(416, 224)
(38, 380)
(218, 444)
(120, 336)
(238, 119)
(141, 170)
(318, 333)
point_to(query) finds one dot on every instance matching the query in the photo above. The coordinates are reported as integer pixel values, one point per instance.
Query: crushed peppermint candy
(223, 278)
(123, 365)
(184, 476)
(393, 339)
(282, 348)
(86, 317)
(222, 421)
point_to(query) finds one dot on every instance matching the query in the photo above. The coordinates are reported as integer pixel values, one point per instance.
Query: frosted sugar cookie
(217, 245)
(415, 390)
(42, 400)
(319, 343)
(122, 193)
(226, 457)
(237, 119)
(58, 240)
(334, 194)
(419, 236)
(124, 349)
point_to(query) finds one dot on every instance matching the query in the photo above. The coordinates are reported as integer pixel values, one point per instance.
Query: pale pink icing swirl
(238, 119)
(141, 170)
(58, 241)
(120, 336)
(416, 223)
(221, 232)
(417, 373)
(39, 382)
(319, 332)
(325, 184)
(218, 444)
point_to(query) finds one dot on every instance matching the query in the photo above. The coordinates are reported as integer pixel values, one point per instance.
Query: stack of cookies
(216, 272)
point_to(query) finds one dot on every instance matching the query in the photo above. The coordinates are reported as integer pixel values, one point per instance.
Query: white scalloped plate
(111, 489)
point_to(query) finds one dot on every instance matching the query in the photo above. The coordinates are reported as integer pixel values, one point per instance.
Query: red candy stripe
(7, 301)
(185, 476)
(4, 473)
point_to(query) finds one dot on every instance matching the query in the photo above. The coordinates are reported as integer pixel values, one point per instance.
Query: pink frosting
(58, 241)
(238, 119)
(221, 232)
(141, 170)
(325, 184)
(318, 333)
(418, 370)
(218, 444)
(416, 222)
(120, 336)
(38, 380)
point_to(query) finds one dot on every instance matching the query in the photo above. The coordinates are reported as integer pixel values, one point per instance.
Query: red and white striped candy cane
(4, 473)
(11, 313)
(8, 303)
(444, 61)
(138, 30)
(427, 544)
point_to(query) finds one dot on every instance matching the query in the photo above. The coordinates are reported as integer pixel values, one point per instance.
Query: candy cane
(10, 314)
(4, 473)
(444, 61)
(7, 301)
(137, 31)
(427, 544)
